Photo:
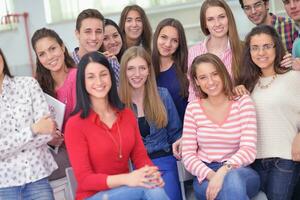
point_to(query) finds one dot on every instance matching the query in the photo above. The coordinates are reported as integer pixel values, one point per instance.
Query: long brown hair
(5, 65)
(180, 56)
(221, 69)
(43, 75)
(234, 39)
(250, 72)
(146, 36)
(154, 108)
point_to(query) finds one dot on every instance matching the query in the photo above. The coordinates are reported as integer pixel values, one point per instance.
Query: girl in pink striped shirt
(219, 135)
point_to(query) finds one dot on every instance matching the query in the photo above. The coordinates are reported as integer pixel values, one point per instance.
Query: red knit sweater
(94, 155)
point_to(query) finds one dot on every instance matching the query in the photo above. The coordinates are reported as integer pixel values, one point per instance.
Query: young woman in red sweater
(102, 136)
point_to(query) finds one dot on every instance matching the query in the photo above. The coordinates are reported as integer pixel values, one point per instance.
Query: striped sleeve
(246, 153)
(190, 146)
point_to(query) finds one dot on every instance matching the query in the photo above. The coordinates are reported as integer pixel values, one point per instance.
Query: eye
(210, 19)
(99, 31)
(41, 54)
(215, 73)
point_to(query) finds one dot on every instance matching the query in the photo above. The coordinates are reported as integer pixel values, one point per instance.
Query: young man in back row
(258, 13)
(90, 34)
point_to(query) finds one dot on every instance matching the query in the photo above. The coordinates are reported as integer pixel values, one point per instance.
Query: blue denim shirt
(163, 138)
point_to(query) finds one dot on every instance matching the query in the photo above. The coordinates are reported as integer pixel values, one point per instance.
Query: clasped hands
(147, 176)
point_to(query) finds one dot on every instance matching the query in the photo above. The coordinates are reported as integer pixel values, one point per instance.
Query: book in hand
(57, 110)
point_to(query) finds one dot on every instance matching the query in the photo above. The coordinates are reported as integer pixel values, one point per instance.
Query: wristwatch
(228, 166)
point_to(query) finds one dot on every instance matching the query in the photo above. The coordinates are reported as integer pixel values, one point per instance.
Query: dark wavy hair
(112, 23)
(43, 75)
(5, 65)
(180, 56)
(146, 36)
(83, 101)
(250, 72)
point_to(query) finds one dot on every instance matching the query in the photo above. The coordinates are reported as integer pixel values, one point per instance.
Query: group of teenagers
(228, 109)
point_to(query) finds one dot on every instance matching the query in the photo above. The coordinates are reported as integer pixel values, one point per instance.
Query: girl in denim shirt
(158, 119)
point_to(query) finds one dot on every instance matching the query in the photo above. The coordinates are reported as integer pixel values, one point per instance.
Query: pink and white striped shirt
(201, 48)
(233, 141)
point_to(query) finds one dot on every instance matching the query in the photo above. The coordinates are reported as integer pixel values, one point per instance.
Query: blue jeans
(38, 190)
(240, 184)
(278, 177)
(168, 167)
(132, 193)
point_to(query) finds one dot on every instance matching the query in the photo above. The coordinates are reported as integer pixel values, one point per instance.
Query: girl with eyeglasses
(275, 91)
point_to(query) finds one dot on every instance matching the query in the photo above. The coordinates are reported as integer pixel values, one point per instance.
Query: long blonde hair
(155, 111)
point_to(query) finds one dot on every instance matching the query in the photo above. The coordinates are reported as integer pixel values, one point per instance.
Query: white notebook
(57, 110)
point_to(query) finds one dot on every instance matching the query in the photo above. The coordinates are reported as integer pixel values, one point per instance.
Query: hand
(240, 90)
(143, 177)
(177, 147)
(108, 54)
(45, 125)
(287, 61)
(215, 184)
(296, 64)
(296, 148)
(57, 139)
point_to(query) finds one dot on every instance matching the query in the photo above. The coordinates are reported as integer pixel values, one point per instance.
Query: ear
(267, 4)
(63, 48)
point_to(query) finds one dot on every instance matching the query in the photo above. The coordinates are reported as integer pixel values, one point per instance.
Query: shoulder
(244, 103)
(194, 104)
(127, 114)
(284, 20)
(196, 47)
(164, 93)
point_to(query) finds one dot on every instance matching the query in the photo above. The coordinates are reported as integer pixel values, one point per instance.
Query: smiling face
(137, 71)
(90, 35)
(97, 81)
(133, 26)
(216, 21)
(263, 53)
(209, 80)
(167, 41)
(256, 11)
(112, 41)
(50, 54)
(292, 8)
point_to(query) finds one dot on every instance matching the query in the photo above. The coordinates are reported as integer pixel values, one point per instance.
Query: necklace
(259, 84)
(120, 156)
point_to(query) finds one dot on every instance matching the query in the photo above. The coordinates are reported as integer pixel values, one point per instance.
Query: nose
(168, 43)
(210, 80)
(49, 56)
(253, 10)
(137, 72)
(292, 4)
(93, 36)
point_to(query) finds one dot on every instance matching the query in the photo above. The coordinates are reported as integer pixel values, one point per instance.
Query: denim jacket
(163, 138)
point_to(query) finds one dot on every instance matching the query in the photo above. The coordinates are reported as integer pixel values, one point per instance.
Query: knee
(234, 183)
(156, 193)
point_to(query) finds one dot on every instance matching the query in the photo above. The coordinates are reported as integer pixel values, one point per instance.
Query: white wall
(13, 43)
